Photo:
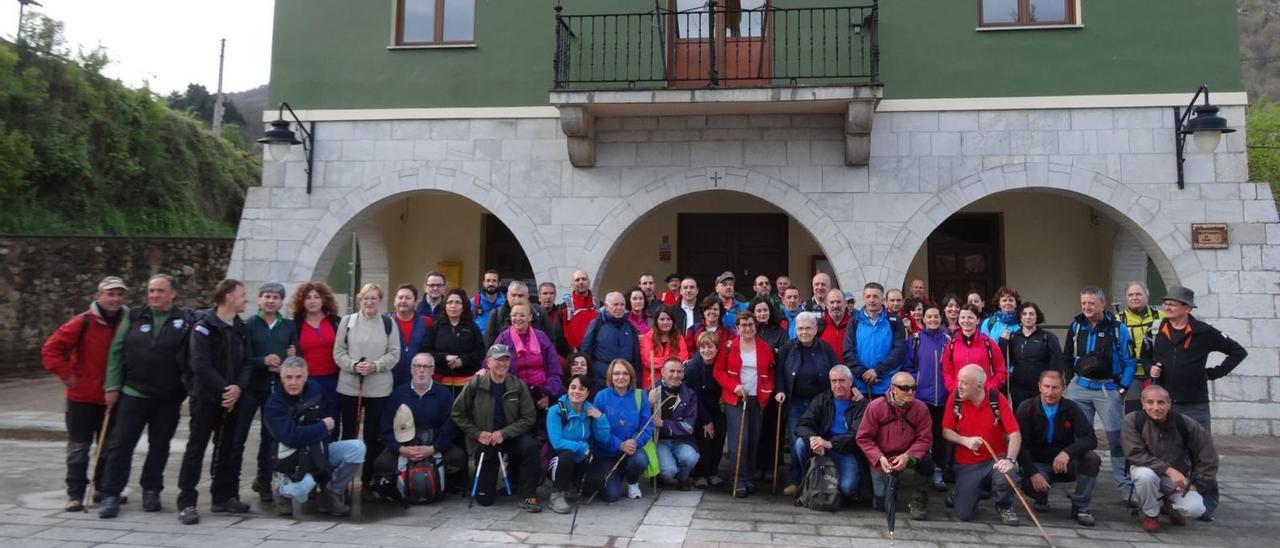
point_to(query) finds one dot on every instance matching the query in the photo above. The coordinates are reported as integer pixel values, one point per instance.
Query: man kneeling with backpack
(896, 435)
(419, 434)
(827, 433)
(296, 416)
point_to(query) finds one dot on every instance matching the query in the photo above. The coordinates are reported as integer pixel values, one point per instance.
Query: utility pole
(217, 103)
(22, 8)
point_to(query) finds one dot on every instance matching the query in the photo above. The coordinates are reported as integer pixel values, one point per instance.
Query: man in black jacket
(220, 366)
(820, 433)
(1058, 446)
(1179, 350)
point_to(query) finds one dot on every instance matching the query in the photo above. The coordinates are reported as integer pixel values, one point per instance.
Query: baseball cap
(112, 282)
(499, 351)
(726, 275)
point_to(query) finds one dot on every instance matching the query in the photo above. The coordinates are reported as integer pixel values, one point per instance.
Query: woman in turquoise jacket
(627, 409)
(572, 424)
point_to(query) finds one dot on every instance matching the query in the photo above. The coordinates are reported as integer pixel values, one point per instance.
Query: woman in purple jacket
(924, 361)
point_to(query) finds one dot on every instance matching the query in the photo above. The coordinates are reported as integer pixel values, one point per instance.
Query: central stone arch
(809, 214)
(1172, 255)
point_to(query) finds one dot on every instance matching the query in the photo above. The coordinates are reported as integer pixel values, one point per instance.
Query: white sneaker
(633, 490)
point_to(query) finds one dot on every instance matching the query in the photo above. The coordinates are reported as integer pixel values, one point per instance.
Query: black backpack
(821, 488)
(993, 399)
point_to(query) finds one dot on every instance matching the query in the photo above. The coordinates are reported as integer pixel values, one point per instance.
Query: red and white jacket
(729, 368)
(79, 349)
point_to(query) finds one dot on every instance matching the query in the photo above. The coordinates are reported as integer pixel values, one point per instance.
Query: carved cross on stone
(715, 178)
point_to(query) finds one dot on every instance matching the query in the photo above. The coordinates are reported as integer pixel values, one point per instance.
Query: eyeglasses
(907, 388)
(435, 285)
(423, 366)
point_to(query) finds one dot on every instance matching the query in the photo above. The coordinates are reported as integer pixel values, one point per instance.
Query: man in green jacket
(495, 412)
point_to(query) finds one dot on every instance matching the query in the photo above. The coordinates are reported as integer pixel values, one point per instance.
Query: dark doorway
(746, 244)
(502, 252)
(965, 255)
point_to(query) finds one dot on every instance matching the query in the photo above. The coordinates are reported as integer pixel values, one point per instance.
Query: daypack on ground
(821, 489)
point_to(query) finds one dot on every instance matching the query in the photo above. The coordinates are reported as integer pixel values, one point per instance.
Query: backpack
(821, 487)
(421, 482)
(993, 399)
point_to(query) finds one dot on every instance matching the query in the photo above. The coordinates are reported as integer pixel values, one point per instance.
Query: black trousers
(132, 415)
(522, 468)
(768, 447)
(253, 404)
(84, 422)
(210, 420)
(370, 423)
(941, 448)
(710, 449)
(568, 473)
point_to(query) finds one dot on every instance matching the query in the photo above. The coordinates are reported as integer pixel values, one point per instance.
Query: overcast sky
(168, 43)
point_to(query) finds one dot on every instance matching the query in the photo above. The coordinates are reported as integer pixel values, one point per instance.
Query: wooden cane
(97, 454)
(777, 442)
(742, 429)
(624, 455)
(1016, 491)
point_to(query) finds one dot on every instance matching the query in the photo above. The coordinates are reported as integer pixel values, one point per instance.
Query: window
(435, 22)
(1009, 13)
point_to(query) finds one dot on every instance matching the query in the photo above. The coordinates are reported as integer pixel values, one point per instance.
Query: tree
(199, 102)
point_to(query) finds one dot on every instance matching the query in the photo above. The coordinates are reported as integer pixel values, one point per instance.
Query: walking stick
(97, 454)
(359, 401)
(777, 443)
(577, 503)
(1023, 500)
(624, 455)
(742, 429)
(475, 483)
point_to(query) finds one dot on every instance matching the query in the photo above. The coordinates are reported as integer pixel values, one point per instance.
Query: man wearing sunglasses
(896, 435)
(1058, 446)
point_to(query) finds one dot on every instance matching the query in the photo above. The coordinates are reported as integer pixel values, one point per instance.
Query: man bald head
(615, 304)
(581, 283)
(972, 383)
(903, 388)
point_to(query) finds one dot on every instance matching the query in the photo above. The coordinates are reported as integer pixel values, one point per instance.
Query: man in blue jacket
(296, 416)
(874, 345)
(610, 336)
(1103, 366)
(434, 432)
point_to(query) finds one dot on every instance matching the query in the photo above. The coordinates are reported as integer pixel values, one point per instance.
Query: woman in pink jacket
(659, 344)
(969, 345)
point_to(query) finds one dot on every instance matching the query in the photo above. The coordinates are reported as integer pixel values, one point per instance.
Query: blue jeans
(676, 459)
(795, 410)
(346, 456)
(1110, 408)
(847, 464)
(631, 469)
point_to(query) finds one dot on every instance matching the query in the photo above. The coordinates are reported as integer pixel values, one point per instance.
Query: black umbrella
(891, 503)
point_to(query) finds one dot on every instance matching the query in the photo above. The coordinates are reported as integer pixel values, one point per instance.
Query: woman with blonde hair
(366, 349)
(628, 412)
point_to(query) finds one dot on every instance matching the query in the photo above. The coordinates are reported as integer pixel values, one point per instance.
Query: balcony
(731, 57)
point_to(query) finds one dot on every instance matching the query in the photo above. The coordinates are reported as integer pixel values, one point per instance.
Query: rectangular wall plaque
(1208, 236)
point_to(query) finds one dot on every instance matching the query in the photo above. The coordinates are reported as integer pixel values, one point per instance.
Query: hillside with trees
(81, 153)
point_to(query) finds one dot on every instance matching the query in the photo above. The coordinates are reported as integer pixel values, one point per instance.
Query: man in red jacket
(577, 310)
(835, 321)
(896, 434)
(77, 354)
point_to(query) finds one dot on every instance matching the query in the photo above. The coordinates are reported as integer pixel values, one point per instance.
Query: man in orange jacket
(77, 354)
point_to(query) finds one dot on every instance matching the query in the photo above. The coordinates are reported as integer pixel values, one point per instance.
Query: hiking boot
(685, 485)
(1150, 524)
(633, 491)
(700, 483)
(950, 499)
(741, 492)
(1083, 517)
(231, 506)
(558, 503)
(74, 504)
(1175, 517)
(1041, 505)
(715, 481)
(264, 491)
(917, 510)
(98, 496)
(530, 505)
(110, 507)
(337, 506)
(189, 516)
(791, 490)
(150, 501)
(284, 506)
(1007, 516)
(938, 484)
(1207, 515)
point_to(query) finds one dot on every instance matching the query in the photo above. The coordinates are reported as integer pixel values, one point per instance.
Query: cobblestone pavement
(32, 467)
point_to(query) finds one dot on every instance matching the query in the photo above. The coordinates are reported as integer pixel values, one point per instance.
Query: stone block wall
(869, 220)
(46, 280)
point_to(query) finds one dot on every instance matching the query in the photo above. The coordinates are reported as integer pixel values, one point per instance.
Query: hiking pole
(577, 503)
(1023, 500)
(742, 429)
(475, 483)
(777, 446)
(502, 466)
(355, 498)
(97, 455)
(623, 456)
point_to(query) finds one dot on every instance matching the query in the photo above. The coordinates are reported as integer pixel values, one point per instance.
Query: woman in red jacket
(744, 370)
(971, 346)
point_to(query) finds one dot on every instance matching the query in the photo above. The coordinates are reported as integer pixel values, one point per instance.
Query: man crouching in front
(296, 417)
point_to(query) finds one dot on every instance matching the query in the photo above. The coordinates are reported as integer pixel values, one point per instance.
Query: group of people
(451, 393)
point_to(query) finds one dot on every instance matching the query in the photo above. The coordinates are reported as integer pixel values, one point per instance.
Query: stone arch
(1137, 214)
(810, 215)
(348, 211)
